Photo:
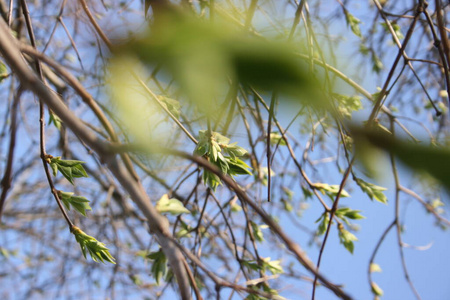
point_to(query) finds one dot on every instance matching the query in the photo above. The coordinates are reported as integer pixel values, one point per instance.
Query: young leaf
(171, 206)
(238, 167)
(81, 204)
(324, 220)
(330, 190)
(348, 104)
(377, 65)
(54, 119)
(353, 23)
(346, 212)
(96, 249)
(277, 139)
(272, 266)
(257, 233)
(70, 169)
(159, 266)
(172, 105)
(211, 180)
(376, 290)
(375, 268)
(3, 71)
(373, 191)
(251, 265)
(347, 238)
(430, 159)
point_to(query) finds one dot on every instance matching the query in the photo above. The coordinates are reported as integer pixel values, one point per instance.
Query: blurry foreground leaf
(431, 159)
(202, 57)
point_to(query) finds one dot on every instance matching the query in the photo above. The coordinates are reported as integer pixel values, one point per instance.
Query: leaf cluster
(81, 204)
(159, 266)
(217, 149)
(96, 249)
(70, 169)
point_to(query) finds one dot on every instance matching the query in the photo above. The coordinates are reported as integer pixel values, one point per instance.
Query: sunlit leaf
(376, 290)
(347, 238)
(96, 249)
(373, 191)
(171, 206)
(277, 139)
(375, 268)
(273, 266)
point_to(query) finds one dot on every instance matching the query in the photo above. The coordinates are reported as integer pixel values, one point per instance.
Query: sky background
(428, 268)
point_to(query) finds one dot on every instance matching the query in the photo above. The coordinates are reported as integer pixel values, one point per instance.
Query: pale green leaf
(171, 206)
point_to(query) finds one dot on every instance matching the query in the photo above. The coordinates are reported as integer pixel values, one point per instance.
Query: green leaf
(397, 30)
(272, 266)
(213, 146)
(375, 268)
(233, 150)
(202, 148)
(211, 179)
(214, 53)
(66, 172)
(307, 192)
(346, 238)
(171, 206)
(159, 267)
(54, 167)
(172, 105)
(238, 167)
(68, 163)
(277, 139)
(78, 171)
(430, 159)
(251, 265)
(377, 65)
(348, 104)
(376, 290)
(70, 169)
(353, 23)
(373, 191)
(346, 212)
(330, 190)
(54, 119)
(257, 233)
(3, 71)
(324, 220)
(185, 230)
(96, 249)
